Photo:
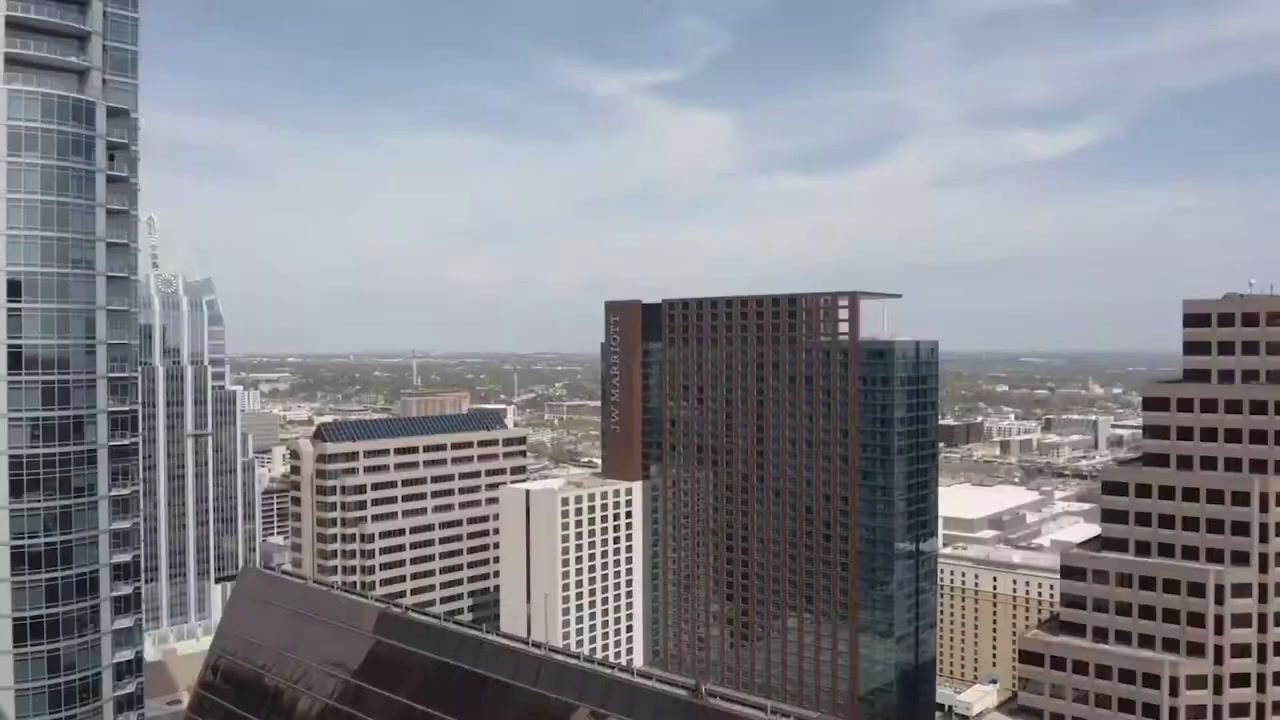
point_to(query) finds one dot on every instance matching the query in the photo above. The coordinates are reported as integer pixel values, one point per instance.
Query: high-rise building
(294, 650)
(570, 564)
(1171, 612)
(70, 597)
(199, 498)
(407, 508)
(790, 461)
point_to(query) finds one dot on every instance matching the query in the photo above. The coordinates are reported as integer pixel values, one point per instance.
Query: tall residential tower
(1172, 613)
(789, 465)
(70, 597)
(199, 496)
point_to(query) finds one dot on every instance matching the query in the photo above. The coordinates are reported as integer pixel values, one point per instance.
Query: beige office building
(419, 402)
(1172, 612)
(406, 508)
(987, 598)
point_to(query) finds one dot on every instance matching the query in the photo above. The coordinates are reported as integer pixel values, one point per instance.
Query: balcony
(120, 169)
(121, 488)
(124, 555)
(120, 437)
(122, 268)
(125, 687)
(120, 201)
(123, 587)
(58, 54)
(121, 302)
(54, 17)
(120, 622)
(119, 135)
(124, 655)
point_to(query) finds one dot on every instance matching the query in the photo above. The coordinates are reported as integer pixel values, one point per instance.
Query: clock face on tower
(167, 283)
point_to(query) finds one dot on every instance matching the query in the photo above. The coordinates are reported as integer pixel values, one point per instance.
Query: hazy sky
(481, 175)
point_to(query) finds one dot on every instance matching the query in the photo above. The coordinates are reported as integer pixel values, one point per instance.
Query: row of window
(1211, 406)
(1188, 494)
(1230, 319)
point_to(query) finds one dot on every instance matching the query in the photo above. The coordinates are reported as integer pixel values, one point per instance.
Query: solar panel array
(398, 427)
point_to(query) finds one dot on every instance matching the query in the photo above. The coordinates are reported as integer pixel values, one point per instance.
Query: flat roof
(1000, 556)
(861, 294)
(1074, 533)
(581, 480)
(968, 501)
(336, 431)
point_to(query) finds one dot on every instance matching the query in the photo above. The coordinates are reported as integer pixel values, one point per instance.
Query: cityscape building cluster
(763, 514)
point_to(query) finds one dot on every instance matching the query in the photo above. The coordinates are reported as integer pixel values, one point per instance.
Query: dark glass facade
(771, 575)
(897, 527)
(292, 650)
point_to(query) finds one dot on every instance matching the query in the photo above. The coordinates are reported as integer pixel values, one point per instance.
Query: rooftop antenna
(415, 368)
(153, 241)
(1251, 283)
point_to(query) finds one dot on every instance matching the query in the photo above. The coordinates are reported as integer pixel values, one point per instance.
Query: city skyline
(964, 152)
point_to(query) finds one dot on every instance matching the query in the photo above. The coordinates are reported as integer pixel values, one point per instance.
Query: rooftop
(964, 500)
(443, 649)
(1000, 556)
(337, 431)
(579, 480)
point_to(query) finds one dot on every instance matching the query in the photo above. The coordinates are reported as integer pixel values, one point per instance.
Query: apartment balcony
(124, 555)
(120, 170)
(49, 17)
(125, 687)
(121, 302)
(119, 136)
(125, 655)
(125, 267)
(121, 201)
(53, 53)
(120, 437)
(120, 622)
(120, 489)
(123, 587)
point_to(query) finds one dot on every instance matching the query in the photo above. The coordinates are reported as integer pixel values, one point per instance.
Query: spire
(153, 241)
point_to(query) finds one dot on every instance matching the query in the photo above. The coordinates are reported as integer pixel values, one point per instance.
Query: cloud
(639, 179)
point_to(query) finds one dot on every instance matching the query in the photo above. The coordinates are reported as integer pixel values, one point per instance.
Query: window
(1197, 348)
(1226, 348)
(1227, 377)
(1250, 320)
(1155, 404)
(1197, 320)
(1208, 406)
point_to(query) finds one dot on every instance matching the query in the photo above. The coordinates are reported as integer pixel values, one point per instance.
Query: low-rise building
(1006, 514)
(418, 402)
(564, 409)
(987, 598)
(571, 564)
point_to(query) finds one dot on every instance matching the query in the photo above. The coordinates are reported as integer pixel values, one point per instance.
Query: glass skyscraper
(199, 498)
(70, 597)
(790, 461)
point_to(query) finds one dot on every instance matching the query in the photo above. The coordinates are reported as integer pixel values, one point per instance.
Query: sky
(482, 175)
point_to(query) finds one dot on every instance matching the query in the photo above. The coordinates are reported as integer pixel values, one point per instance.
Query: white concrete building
(251, 401)
(1007, 514)
(406, 508)
(571, 564)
